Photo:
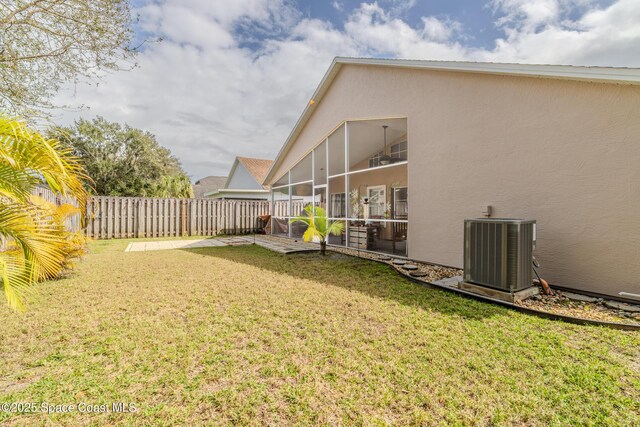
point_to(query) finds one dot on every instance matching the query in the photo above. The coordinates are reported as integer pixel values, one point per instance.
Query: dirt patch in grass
(244, 336)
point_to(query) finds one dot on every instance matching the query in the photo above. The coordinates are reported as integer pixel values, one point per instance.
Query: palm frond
(15, 185)
(310, 234)
(15, 279)
(336, 228)
(32, 232)
(32, 156)
(318, 225)
(306, 217)
(37, 245)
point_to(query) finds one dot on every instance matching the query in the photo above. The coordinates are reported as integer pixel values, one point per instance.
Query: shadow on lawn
(357, 274)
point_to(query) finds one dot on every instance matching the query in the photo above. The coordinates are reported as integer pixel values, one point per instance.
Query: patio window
(338, 205)
(377, 201)
(396, 151)
(374, 161)
(400, 205)
(399, 150)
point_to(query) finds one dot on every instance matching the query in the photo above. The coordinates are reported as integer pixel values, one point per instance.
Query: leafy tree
(124, 161)
(318, 226)
(34, 243)
(45, 43)
(174, 186)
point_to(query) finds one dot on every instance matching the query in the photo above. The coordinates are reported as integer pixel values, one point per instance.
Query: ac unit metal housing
(498, 252)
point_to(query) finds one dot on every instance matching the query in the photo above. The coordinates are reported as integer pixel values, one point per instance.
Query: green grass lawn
(240, 335)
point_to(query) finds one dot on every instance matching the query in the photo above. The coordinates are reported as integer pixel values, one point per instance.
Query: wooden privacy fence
(126, 217)
(284, 209)
(73, 222)
(110, 217)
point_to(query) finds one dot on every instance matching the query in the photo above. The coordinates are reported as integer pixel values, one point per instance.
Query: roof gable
(615, 75)
(255, 169)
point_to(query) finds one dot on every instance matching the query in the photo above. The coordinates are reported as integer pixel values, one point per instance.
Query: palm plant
(74, 241)
(33, 246)
(318, 226)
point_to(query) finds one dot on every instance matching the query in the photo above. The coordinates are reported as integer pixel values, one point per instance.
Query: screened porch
(358, 173)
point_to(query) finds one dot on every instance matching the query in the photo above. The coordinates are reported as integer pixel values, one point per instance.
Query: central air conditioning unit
(498, 253)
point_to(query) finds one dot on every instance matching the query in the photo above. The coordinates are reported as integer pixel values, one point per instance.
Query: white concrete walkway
(173, 244)
(282, 245)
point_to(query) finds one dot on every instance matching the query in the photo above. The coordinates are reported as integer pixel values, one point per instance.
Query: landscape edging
(539, 313)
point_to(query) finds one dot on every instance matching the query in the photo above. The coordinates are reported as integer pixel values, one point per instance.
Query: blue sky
(476, 17)
(231, 77)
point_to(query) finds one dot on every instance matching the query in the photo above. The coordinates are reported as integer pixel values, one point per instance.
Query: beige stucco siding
(562, 152)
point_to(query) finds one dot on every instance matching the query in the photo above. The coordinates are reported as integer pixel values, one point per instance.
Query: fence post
(88, 218)
(192, 219)
(138, 214)
(234, 211)
(183, 217)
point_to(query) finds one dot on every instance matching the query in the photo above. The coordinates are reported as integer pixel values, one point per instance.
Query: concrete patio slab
(284, 246)
(235, 240)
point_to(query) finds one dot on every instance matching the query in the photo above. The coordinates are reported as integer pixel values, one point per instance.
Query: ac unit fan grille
(498, 253)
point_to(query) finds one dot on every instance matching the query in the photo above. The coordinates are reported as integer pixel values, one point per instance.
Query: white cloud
(376, 32)
(527, 15)
(208, 96)
(438, 30)
(602, 37)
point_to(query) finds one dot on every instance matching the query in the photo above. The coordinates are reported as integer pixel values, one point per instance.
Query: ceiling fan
(385, 159)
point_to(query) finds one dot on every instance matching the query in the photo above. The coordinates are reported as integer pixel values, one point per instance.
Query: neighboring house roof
(257, 170)
(207, 185)
(239, 193)
(619, 75)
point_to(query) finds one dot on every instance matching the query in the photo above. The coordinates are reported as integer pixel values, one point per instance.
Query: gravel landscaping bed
(568, 304)
(423, 272)
(562, 303)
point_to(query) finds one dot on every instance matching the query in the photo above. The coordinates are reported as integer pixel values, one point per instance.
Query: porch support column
(290, 204)
(313, 179)
(347, 201)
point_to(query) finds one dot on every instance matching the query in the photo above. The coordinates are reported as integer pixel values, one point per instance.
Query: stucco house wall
(563, 152)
